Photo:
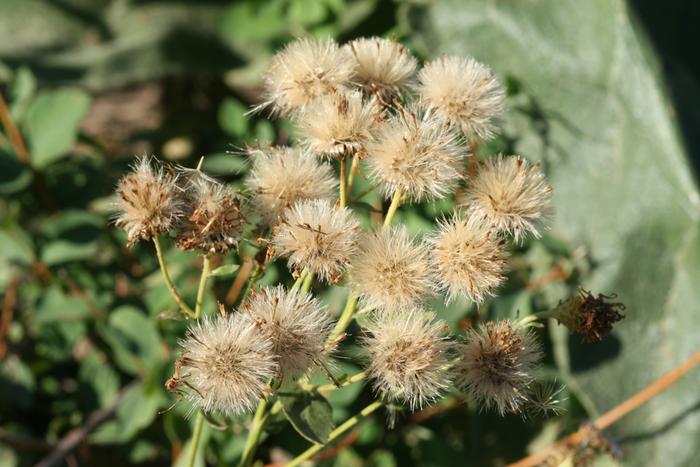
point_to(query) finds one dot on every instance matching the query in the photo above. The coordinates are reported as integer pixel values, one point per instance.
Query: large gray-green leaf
(309, 413)
(592, 106)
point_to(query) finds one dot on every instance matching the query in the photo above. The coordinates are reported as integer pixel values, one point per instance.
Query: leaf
(225, 270)
(52, 124)
(592, 106)
(309, 413)
(232, 117)
(134, 339)
(14, 176)
(224, 164)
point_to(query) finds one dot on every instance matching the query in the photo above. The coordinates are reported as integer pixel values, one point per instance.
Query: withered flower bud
(592, 317)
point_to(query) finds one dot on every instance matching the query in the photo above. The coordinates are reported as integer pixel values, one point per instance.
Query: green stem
(349, 423)
(256, 429)
(308, 280)
(186, 310)
(395, 202)
(202, 286)
(196, 436)
(300, 279)
(528, 320)
(251, 283)
(353, 171)
(326, 388)
(343, 182)
(346, 317)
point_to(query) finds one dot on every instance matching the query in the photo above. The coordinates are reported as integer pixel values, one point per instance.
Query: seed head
(468, 257)
(281, 176)
(316, 235)
(464, 93)
(226, 364)
(417, 154)
(213, 220)
(593, 317)
(339, 124)
(511, 195)
(305, 70)
(382, 66)
(391, 271)
(148, 203)
(295, 323)
(409, 357)
(497, 366)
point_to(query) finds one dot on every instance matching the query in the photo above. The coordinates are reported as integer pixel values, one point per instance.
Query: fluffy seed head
(468, 258)
(339, 124)
(409, 357)
(415, 153)
(148, 202)
(511, 195)
(463, 92)
(213, 220)
(295, 323)
(303, 71)
(316, 235)
(391, 271)
(593, 317)
(226, 364)
(382, 66)
(497, 366)
(281, 176)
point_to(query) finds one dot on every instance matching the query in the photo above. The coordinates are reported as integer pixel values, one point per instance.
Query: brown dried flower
(593, 317)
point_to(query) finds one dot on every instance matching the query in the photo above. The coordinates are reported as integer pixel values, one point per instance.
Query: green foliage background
(604, 92)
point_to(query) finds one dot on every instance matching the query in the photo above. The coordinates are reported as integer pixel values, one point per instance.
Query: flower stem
(395, 202)
(187, 311)
(300, 279)
(256, 428)
(326, 388)
(343, 182)
(349, 423)
(254, 277)
(202, 286)
(534, 317)
(353, 171)
(346, 317)
(308, 281)
(196, 436)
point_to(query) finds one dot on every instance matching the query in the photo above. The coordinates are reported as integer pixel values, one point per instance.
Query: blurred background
(606, 93)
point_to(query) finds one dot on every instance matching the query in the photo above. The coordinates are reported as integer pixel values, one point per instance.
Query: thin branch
(8, 311)
(240, 281)
(13, 132)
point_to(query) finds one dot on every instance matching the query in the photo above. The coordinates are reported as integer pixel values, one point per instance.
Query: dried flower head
(468, 257)
(226, 364)
(148, 202)
(303, 71)
(281, 176)
(463, 92)
(295, 323)
(409, 357)
(382, 66)
(510, 194)
(593, 317)
(390, 270)
(497, 366)
(213, 221)
(315, 235)
(339, 124)
(416, 154)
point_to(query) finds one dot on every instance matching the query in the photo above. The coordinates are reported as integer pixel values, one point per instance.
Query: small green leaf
(14, 176)
(224, 164)
(134, 340)
(62, 251)
(225, 270)
(309, 413)
(232, 117)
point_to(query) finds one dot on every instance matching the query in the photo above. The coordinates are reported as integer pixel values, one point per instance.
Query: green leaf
(309, 413)
(14, 176)
(224, 164)
(52, 124)
(134, 339)
(225, 270)
(62, 251)
(232, 117)
(592, 105)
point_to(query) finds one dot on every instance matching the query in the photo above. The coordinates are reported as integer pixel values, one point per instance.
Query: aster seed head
(149, 201)
(226, 364)
(497, 366)
(281, 176)
(591, 316)
(303, 71)
(297, 325)
(318, 236)
(409, 357)
(417, 154)
(391, 271)
(468, 257)
(511, 195)
(382, 66)
(463, 92)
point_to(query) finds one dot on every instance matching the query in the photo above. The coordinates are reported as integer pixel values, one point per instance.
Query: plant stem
(12, 132)
(349, 423)
(343, 182)
(353, 171)
(351, 380)
(251, 282)
(196, 436)
(616, 413)
(534, 317)
(300, 279)
(202, 286)
(256, 428)
(346, 317)
(308, 281)
(187, 311)
(395, 202)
